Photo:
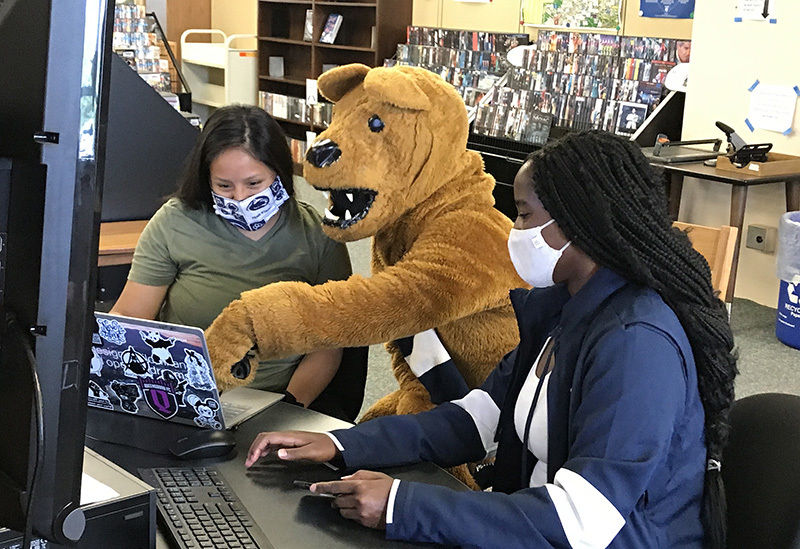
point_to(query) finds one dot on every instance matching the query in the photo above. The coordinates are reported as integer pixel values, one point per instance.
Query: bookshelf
(369, 33)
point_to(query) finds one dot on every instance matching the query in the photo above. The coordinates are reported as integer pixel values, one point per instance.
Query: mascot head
(396, 136)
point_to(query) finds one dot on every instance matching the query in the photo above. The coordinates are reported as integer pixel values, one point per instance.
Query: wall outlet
(761, 237)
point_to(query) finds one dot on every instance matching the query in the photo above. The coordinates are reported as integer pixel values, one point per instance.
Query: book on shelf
(331, 28)
(276, 66)
(308, 29)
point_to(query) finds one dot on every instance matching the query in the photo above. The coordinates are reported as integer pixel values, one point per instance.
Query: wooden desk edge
(118, 241)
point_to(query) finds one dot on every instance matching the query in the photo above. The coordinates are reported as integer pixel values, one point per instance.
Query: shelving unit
(280, 33)
(218, 73)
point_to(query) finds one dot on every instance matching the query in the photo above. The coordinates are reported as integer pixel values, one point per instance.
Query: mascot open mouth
(347, 206)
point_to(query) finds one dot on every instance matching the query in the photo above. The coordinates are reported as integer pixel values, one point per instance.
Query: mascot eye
(375, 123)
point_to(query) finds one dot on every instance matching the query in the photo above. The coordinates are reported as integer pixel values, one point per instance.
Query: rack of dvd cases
(473, 62)
(587, 81)
(136, 41)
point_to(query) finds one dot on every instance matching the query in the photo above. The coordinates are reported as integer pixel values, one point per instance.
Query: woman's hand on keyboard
(292, 446)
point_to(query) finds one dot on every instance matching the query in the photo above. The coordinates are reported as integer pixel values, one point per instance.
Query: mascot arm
(454, 269)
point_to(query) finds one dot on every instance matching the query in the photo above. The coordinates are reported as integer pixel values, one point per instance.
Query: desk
(288, 517)
(739, 182)
(117, 241)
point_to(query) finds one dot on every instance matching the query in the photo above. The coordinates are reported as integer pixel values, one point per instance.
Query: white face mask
(253, 212)
(532, 256)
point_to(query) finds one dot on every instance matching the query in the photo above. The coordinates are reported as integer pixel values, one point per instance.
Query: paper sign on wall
(756, 10)
(772, 107)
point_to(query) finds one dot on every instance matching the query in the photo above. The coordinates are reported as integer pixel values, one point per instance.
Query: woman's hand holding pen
(362, 497)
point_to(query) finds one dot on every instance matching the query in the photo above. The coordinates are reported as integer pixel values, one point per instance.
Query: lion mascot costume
(395, 167)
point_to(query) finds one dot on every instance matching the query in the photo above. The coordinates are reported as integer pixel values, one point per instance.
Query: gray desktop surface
(288, 517)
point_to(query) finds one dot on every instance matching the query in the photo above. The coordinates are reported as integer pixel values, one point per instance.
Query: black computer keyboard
(200, 511)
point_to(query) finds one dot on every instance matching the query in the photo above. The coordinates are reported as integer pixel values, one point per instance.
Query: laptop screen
(153, 369)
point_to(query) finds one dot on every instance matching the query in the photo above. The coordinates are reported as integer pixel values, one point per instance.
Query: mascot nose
(323, 153)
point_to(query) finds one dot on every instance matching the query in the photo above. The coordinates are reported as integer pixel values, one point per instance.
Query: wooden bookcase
(280, 33)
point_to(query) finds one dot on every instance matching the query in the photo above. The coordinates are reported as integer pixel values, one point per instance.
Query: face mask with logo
(253, 212)
(532, 256)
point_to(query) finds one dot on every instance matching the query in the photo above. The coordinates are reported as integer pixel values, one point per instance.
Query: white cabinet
(217, 73)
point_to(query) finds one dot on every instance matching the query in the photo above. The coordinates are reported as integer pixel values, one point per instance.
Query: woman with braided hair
(607, 421)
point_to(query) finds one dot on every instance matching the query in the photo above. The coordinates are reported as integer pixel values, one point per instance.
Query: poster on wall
(573, 14)
(667, 9)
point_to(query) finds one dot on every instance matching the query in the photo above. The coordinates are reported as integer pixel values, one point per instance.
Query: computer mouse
(204, 443)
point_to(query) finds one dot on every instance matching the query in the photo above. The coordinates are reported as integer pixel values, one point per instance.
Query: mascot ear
(333, 84)
(397, 88)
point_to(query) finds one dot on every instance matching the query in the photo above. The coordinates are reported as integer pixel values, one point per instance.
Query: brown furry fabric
(439, 256)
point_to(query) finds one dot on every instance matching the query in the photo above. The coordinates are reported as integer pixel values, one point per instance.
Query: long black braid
(611, 204)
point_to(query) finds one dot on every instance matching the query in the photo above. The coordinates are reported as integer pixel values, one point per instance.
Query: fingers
(365, 475)
(336, 487)
(292, 446)
(265, 442)
(362, 496)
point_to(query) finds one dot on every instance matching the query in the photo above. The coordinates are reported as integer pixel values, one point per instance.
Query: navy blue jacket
(626, 452)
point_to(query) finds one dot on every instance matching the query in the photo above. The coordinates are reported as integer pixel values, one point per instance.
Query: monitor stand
(119, 509)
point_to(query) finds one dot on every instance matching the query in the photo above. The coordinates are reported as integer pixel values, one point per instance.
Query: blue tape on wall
(749, 125)
(787, 132)
(737, 19)
(796, 90)
(773, 21)
(756, 83)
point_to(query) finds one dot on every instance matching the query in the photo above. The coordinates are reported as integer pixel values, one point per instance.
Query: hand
(230, 337)
(292, 446)
(361, 497)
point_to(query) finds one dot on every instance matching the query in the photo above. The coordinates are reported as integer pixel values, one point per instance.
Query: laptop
(163, 371)
(671, 155)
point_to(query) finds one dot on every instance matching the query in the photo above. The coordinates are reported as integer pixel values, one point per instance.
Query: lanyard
(527, 432)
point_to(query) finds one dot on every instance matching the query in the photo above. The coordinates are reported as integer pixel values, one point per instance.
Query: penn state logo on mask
(253, 212)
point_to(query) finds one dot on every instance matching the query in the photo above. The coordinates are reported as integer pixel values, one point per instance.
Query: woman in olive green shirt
(232, 226)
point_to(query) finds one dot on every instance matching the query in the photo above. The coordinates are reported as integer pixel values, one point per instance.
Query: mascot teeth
(347, 206)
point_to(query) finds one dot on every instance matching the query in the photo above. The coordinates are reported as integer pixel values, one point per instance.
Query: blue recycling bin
(787, 324)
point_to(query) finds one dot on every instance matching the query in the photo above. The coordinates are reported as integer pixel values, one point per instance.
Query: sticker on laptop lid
(159, 396)
(198, 373)
(98, 397)
(111, 330)
(128, 394)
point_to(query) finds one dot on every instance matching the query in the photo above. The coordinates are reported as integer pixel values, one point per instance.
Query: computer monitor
(666, 118)
(52, 128)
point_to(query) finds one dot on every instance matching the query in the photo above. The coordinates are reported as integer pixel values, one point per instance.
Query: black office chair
(344, 395)
(761, 471)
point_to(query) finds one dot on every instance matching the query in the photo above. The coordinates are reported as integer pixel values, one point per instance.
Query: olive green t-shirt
(207, 263)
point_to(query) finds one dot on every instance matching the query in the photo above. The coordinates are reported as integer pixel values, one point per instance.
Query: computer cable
(14, 327)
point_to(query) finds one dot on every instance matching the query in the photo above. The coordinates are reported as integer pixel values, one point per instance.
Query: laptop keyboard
(200, 510)
(230, 411)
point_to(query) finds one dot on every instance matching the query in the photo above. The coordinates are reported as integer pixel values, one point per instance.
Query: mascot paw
(385, 406)
(461, 472)
(230, 342)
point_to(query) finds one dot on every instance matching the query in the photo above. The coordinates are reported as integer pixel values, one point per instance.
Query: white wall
(727, 57)
(235, 17)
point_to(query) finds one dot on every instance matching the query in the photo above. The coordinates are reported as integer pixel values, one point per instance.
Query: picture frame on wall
(631, 116)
